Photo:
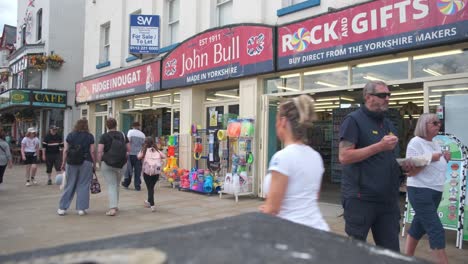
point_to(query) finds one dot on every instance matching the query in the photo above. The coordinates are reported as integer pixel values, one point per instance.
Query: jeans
(425, 202)
(133, 167)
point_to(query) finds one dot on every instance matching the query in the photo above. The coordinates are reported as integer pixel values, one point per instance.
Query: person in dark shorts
(29, 151)
(51, 146)
(371, 176)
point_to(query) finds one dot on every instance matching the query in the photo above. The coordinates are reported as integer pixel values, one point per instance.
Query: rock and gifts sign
(373, 28)
(220, 54)
(134, 80)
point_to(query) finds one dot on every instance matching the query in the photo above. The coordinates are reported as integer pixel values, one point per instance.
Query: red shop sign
(135, 80)
(220, 54)
(374, 28)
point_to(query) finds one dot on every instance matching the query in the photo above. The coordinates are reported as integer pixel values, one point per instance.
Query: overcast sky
(8, 11)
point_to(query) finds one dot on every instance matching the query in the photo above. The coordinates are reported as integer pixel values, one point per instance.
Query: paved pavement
(28, 218)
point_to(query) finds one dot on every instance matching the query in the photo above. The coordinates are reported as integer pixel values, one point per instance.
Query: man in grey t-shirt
(136, 139)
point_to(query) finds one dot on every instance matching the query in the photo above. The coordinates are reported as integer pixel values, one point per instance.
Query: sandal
(111, 212)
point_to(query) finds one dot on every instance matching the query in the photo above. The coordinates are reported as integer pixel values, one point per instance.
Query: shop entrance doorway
(127, 120)
(100, 126)
(218, 115)
(406, 104)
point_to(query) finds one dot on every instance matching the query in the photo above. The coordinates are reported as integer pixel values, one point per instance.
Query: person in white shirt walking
(295, 172)
(136, 139)
(29, 153)
(425, 187)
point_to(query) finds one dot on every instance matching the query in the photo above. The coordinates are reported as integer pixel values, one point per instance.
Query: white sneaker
(153, 208)
(60, 212)
(28, 183)
(147, 204)
(34, 182)
(81, 212)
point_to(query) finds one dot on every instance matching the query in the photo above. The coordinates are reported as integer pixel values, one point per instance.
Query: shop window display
(384, 70)
(326, 78)
(440, 63)
(283, 84)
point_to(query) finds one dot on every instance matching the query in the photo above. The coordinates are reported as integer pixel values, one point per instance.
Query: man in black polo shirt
(370, 181)
(51, 152)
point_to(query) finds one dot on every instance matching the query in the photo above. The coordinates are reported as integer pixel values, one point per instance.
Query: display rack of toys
(171, 171)
(201, 179)
(239, 181)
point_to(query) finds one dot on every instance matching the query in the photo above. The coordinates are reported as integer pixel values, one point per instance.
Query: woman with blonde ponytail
(295, 173)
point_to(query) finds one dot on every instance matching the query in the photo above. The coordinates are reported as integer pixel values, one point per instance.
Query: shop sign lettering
(135, 80)
(219, 54)
(373, 28)
(49, 99)
(19, 66)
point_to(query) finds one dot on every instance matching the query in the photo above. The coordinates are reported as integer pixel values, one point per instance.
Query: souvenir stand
(452, 206)
(171, 171)
(202, 178)
(239, 180)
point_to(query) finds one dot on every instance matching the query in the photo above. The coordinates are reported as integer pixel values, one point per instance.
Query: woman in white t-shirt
(425, 187)
(295, 173)
(29, 153)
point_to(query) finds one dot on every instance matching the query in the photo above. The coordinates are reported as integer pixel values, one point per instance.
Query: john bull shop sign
(220, 54)
(135, 80)
(452, 205)
(378, 27)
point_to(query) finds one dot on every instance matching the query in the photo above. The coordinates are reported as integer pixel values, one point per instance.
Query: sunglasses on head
(381, 95)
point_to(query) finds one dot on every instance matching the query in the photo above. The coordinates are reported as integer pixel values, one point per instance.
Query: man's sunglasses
(381, 95)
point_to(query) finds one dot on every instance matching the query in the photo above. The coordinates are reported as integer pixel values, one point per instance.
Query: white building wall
(26, 15)
(96, 15)
(62, 34)
(66, 17)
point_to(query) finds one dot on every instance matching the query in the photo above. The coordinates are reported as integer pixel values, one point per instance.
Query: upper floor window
(224, 12)
(23, 36)
(105, 44)
(39, 24)
(4, 58)
(173, 21)
(292, 2)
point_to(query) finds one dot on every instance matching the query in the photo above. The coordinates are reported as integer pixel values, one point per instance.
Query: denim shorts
(425, 202)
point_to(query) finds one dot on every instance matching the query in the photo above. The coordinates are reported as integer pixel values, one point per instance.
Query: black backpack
(75, 155)
(116, 156)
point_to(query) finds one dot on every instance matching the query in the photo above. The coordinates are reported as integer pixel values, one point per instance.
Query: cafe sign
(19, 97)
(49, 99)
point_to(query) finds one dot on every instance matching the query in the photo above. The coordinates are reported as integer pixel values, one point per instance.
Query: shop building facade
(327, 50)
(47, 59)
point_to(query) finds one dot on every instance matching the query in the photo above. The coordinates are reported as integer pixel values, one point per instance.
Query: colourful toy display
(238, 181)
(234, 128)
(171, 170)
(198, 148)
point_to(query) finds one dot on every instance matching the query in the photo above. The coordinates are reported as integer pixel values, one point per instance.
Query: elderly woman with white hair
(425, 187)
